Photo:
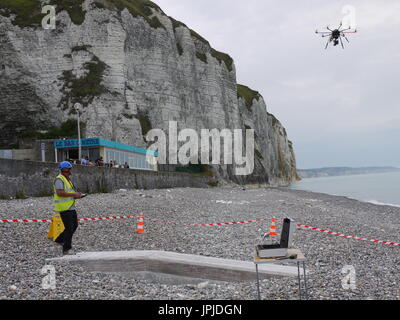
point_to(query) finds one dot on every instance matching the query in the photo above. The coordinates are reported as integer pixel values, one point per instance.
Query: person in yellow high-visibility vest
(64, 204)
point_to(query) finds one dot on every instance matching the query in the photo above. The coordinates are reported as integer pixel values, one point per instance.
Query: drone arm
(341, 42)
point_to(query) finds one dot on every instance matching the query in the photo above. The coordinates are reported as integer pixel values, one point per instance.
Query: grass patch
(3, 197)
(145, 123)
(213, 184)
(248, 95)
(84, 47)
(128, 116)
(220, 56)
(258, 154)
(28, 13)
(275, 121)
(68, 129)
(201, 56)
(99, 5)
(176, 23)
(84, 89)
(20, 195)
(198, 169)
(194, 34)
(137, 8)
(198, 37)
(14, 146)
(90, 85)
(73, 7)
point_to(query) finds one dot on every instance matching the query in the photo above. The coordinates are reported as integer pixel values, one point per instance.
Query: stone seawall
(33, 178)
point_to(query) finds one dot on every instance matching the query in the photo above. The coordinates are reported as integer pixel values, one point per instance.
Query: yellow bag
(56, 227)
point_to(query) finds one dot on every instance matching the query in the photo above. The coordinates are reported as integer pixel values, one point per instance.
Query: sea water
(377, 188)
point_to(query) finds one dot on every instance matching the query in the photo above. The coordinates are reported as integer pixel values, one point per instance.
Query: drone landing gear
(341, 42)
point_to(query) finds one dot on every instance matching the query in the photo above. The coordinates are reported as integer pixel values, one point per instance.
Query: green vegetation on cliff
(90, 84)
(84, 89)
(73, 7)
(220, 56)
(201, 56)
(84, 47)
(275, 121)
(67, 129)
(145, 123)
(27, 12)
(176, 23)
(248, 95)
(137, 8)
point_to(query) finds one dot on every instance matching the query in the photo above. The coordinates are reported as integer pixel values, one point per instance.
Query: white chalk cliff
(133, 68)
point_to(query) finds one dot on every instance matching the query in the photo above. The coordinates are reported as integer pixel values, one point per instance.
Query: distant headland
(342, 171)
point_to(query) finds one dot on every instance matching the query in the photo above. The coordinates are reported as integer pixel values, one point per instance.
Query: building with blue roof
(110, 151)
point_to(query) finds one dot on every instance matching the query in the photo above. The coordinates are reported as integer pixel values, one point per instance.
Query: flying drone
(336, 35)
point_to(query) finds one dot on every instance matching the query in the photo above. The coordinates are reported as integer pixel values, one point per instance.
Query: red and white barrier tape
(218, 224)
(338, 234)
(79, 220)
(24, 220)
(106, 218)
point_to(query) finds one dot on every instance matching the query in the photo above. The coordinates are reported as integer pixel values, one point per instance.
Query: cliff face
(133, 68)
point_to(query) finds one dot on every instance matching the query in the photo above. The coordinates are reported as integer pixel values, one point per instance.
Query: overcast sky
(339, 107)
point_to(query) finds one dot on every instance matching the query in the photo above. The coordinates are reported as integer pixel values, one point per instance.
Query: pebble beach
(24, 247)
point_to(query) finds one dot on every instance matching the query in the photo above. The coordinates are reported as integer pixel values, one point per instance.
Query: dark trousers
(70, 221)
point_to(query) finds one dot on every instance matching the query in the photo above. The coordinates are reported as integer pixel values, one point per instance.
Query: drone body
(336, 35)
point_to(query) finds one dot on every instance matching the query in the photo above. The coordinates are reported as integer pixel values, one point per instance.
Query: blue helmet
(65, 165)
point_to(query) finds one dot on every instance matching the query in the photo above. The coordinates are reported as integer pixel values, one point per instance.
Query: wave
(382, 203)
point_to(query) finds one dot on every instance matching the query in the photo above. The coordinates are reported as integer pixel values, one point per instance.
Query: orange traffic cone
(140, 225)
(272, 228)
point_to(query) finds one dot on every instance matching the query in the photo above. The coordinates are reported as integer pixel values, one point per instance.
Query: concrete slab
(185, 265)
